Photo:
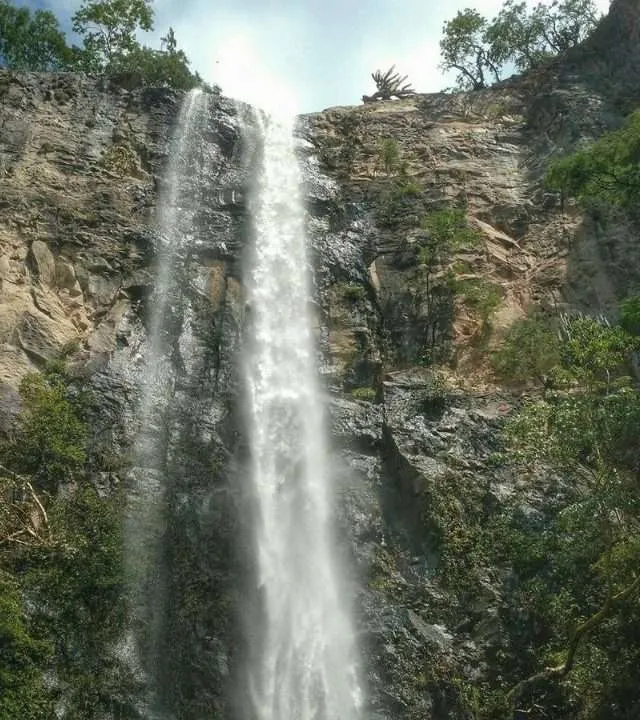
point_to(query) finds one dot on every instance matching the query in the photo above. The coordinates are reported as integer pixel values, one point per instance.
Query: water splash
(305, 668)
(145, 517)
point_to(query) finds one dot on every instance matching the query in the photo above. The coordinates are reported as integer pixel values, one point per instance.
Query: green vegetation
(364, 393)
(565, 570)
(397, 203)
(108, 29)
(447, 231)
(352, 291)
(530, 350)
(31, 41)
(605, 174)
(50, 439)
(389, 152)
(61, 576)
(524, 37)
(22, 658)
(483, 297)
(587, 428)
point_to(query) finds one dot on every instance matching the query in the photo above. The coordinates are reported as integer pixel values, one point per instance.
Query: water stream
(302, 658)
(305, 669)
(145, 520)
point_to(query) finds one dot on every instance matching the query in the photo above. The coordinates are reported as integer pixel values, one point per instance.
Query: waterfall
(305, 666)
(145, 517)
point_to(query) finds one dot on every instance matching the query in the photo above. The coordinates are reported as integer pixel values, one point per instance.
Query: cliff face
(81, 167)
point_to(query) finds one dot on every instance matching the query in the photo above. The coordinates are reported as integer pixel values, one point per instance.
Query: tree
(168, 66)
(108, 29)
(517, 36)
(446, 232)
(605, 174)
(31, 42)
(563, 25)
(389, 85)
(587, 428)
(464, 48)
(480, 49)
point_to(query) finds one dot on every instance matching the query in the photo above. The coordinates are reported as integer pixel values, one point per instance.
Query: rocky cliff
(415, 410)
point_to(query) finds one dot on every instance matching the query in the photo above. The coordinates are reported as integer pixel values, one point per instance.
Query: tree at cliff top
(108, 29)
(31, 41)
(389, 85)
(520, 37)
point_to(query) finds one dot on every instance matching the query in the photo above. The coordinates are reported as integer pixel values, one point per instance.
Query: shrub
(630, 314)
(530, 350)
(51, 437)
(606, 174)
(364, 393)
(448, 231)
(389, 153)
(22, 658)
(352, 292)
(482, 296)
(398, 201)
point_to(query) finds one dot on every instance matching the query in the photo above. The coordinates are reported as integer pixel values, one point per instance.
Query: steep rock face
(81, 169)
(422, 457)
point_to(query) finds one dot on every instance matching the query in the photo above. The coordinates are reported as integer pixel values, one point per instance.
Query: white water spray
(305, 669)
(145, 519)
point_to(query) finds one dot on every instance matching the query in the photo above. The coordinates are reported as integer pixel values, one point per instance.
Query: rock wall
(81, 168)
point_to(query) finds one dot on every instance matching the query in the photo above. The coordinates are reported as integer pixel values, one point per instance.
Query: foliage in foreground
(568, 569)
(61, 577)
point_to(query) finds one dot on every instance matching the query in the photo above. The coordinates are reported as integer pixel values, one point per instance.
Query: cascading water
(305, 668)
(145, 520)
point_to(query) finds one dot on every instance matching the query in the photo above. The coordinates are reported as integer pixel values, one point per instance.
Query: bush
(529, 351)
(606, 174)
(352, 292)
(63, 550)
(482, 296)
(630, 315)
(364, 393)
(398, 202)
(22, 658)
(51, 437)
(389, 153)
(448, 232)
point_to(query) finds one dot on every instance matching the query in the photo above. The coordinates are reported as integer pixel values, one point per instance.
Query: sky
(311, 54)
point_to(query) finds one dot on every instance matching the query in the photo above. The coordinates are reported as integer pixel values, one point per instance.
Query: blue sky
(321, 51)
